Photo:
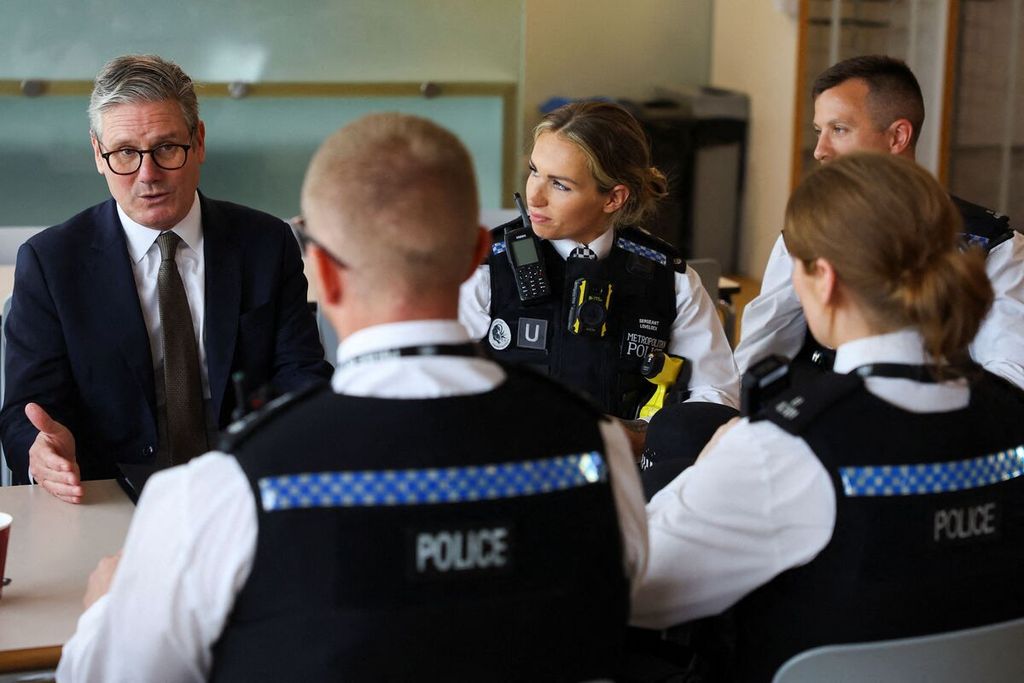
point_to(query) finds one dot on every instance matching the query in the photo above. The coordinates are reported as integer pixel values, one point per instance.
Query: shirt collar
(602, 246)
(904, 346)
(397, 335)
(141, 239)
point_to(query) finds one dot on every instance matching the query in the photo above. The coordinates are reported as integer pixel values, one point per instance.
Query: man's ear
(901, 134)
(101, 165)
(617, 197)
(328, 278)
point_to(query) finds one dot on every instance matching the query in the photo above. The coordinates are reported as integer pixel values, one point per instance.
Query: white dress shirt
(145, 256)
(760, 502)
(773, 322)
(696, 332)
(191, 544)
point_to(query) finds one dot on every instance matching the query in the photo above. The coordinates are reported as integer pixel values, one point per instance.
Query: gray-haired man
(113, 358)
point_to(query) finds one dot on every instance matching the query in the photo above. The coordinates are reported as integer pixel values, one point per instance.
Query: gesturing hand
(51, 458)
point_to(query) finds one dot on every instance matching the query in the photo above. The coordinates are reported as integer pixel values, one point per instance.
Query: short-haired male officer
(437, 516)
(128, 320)
(874, 102)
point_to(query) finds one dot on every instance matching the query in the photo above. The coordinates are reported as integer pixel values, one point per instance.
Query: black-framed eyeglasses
(305, 239)
(169, 156)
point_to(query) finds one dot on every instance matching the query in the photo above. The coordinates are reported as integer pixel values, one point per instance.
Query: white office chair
(709, 271)
(994, 654)
(11, 240)
(5, 472)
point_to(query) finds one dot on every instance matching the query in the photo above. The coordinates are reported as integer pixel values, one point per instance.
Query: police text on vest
(965, 523)
(461, 550)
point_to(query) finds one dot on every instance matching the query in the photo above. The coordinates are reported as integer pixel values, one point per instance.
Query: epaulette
(638, 241)
(796, 408)
(498, 235)
(983, 227)
(239, 430)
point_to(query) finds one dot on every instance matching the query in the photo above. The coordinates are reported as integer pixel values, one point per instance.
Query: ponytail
(946, 301)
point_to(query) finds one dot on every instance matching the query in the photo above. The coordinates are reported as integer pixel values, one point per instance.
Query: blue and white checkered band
(641, 250)
(378, 488)
(942, 477)
(970, 240)
(498, 248)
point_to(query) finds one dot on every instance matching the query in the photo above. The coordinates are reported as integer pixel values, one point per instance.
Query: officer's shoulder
(544, 382)
(498, 233)
(639, 241)
(982, 227)
(995, 391)
(241, 430)
(796, 408)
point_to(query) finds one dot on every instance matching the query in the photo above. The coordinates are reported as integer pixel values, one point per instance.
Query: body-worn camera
(588, 314)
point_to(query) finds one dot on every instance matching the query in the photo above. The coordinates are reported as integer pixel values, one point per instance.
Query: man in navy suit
(88, 382)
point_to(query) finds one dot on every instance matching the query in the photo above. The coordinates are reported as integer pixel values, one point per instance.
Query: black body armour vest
(456, 539)
(983, 228)
(641, 270)
(929, 532)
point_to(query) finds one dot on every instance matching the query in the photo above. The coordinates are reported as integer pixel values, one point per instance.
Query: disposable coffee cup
(5, 536)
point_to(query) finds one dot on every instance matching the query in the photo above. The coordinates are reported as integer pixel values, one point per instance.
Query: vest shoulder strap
(498, 235)
(982, 227)
(240, 430)
(796, 409)
(639, 241)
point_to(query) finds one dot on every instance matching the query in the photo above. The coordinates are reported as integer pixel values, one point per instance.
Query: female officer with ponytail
(616, 293)
(884, 499)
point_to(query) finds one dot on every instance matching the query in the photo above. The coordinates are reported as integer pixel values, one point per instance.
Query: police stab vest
(929, 531)
(641, 270)
(462, 538)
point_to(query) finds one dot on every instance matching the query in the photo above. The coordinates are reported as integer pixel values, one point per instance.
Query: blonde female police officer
(590, 185)
(878, 501)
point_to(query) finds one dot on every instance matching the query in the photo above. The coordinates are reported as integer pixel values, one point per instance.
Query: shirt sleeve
(697, 335)
(629, 500)
(188, 553)
(758, 503)
(773, 322)
(475, 303)
(999, 344)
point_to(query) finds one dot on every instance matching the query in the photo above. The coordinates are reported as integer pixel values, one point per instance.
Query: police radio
(523, 250)
(765, 379)
(588, 312)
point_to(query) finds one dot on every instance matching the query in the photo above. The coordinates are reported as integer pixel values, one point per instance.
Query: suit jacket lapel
(223, 297)
(116, 295)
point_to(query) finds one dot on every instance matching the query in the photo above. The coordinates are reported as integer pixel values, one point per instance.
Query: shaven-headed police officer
(431, 515)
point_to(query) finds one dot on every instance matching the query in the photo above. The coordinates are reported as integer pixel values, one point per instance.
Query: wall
(225, 40)
(45, 144)
(762, 63)
(611, 48)
(555, 47)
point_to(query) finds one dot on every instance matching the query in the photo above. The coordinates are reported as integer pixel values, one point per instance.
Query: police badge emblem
(499, 336)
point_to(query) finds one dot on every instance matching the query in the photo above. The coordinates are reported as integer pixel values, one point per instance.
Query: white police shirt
(773, 322)
(696, 333)
(191, 543)
(760, 502)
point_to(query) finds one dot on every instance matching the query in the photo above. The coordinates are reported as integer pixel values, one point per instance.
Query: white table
(54, 546)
